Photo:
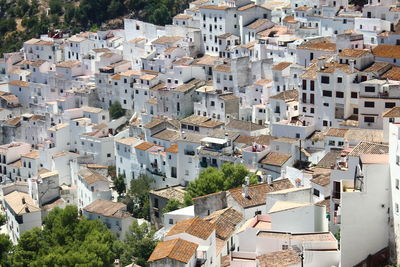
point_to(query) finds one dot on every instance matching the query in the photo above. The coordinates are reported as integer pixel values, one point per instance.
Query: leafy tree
(116, 110)
(213, 180)
(172, 204)
(139, 244)
(119, 184)
(5, 248)
(66, 240)
(137, 197)
(55, 7)
(3, 219)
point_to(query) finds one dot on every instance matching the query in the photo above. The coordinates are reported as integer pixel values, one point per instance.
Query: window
(171, 221)
(316, 192)
(312, 85)
(397, 208)
(354, 95)
(369, 104)
(369, 119)
(285, 247)
(369, 89)
(339, 79)
(325, 123)
(397, 184)
(108, 155)
(332, 142)
(390, 105)
(304, 98)
(304, 84)
(156, 202)
(339, 94)
(327, 93)
(325, 79)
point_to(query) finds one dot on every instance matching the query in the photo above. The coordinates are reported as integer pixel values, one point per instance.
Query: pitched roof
(18, 83)
(21, 202)
(392, 113)
(288, 95)
(175, 249)
(281, 258)
(281, 65)
(351, 52)
(369, 148)
(392, 74)
(257, 24)
(318, 44)
(91, 176)
(194, 226)
(225, 221)
(337, 132)
(321, 177)
(108, 208)
(392, 51)
(173, 192)
(201, 121)
(275, 159)
(257, 192)
(144, 146)
(244, 125)
(167, 135)
(167, 40)
(68, 64)
(328, 160)
(127, 141)
(172, 149)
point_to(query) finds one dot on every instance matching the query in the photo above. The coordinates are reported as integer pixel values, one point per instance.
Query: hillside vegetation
(22, 19)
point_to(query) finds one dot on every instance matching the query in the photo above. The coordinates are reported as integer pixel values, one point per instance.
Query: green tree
(66, 240)
(55, 7)
(119, 184)
(139, 244)
(3, 219)
(213, 180)
(172, 204)
(137, 197)
(116, 110)
(5, 248)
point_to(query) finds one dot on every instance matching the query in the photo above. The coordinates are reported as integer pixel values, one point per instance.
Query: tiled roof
(68, 64)
(243, 125)
(275, 159)
(320, 45)
(167, 40)
(378, 67)
(392, 51)
(392, 113)
(91, 176)
(321, 177)
(350, 52)
(257, 192)
(144, 146)
(257, 24)
(290, 20)
(223, 68)
(225, 221)
(175, 249)
(214, 7)
(303, 8)
(326, 203)
(281, 258)
(182, 16)
(281, 66)
(288, 95)
(337, 132)
(18, 83)
(246, 7)
(127, 141)
(108, 208)
(328, 160)
(173, 192)
(201, 121)
(167, 135)
(262, 82)
(392, 74)
(369, 148)
(21, 203)
(172, 149)
(194, 226)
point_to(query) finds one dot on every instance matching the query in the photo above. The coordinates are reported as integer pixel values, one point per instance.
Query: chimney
(351, 63)
(269, 179)
(245, 187)
(23, 200)
(321, 63)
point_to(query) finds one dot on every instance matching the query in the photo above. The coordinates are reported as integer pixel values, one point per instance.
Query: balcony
(189, 153)
(156, 172)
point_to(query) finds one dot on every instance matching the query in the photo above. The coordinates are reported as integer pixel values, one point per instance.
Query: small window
(354, 95)
(325, 79)
(327, 93)
(369, 104)
(316, 192)
(171, 221)
(369, 89)
(369, 119)
(390, 105)
(397, 184)
(339, 79)
(339, 94)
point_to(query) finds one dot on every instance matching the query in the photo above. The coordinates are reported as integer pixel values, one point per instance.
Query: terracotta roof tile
(144, 146)
(392, 74)
(281, 258)
(369, 148)
(392, 113)
(337, 132)
(175, 249)
(194, 226)
(281, 66)
(108, 208)
(257, 192)
(225, 221)
(172, 149)
(91, 176)
(350, 52)
(288, 95)
(391, 51)
(275, 159)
